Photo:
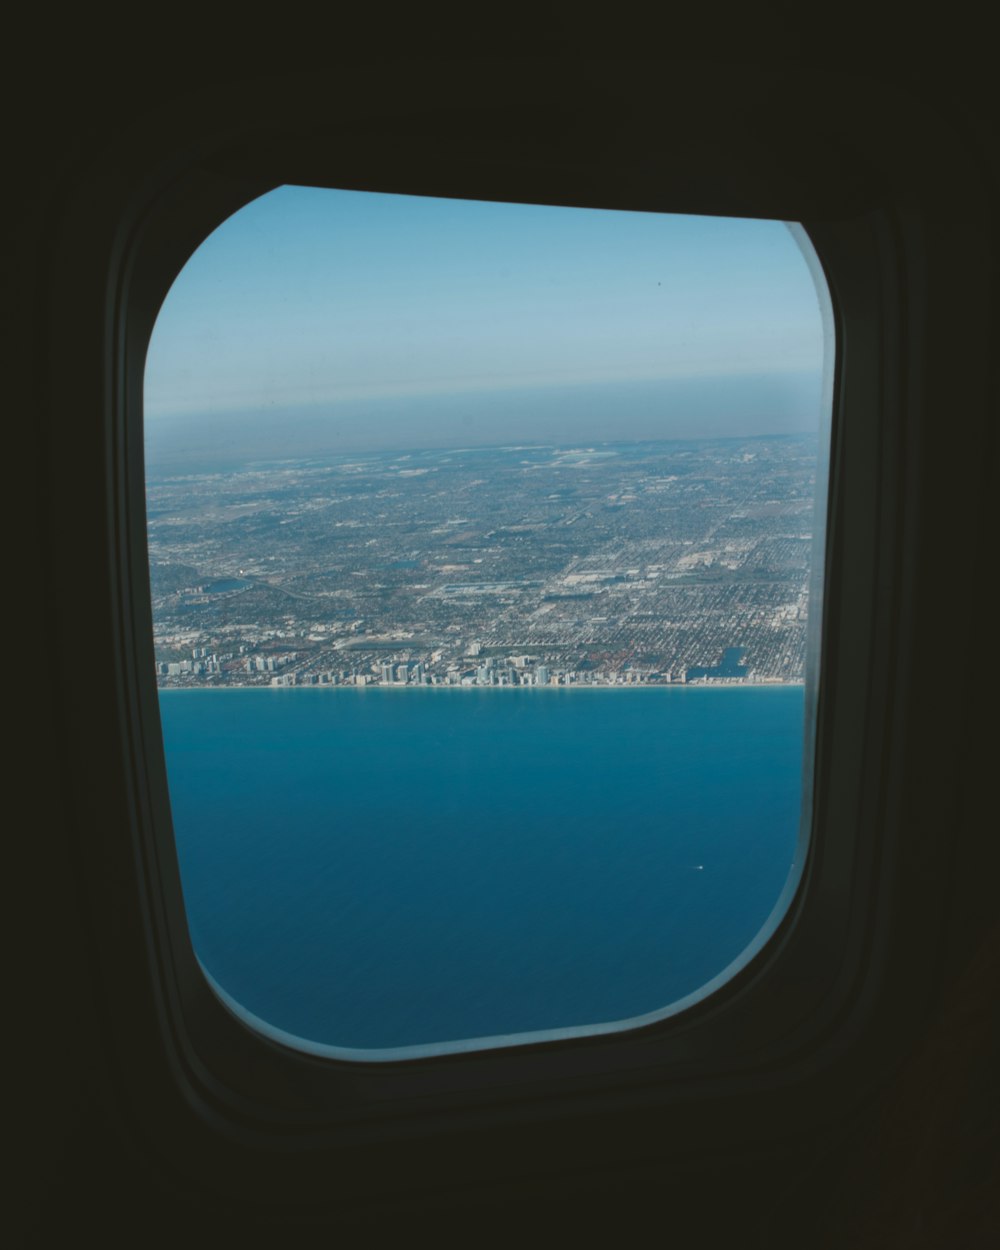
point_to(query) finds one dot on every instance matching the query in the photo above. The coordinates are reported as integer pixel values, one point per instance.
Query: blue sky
(318, 301)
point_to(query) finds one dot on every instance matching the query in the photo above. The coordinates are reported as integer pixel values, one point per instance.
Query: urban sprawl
(613, 564)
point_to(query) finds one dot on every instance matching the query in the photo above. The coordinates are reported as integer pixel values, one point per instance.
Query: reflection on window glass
(481, 540)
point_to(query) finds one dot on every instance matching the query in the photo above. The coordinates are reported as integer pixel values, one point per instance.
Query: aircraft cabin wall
(105, 1144)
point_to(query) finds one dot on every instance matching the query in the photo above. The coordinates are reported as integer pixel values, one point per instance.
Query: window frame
(797, 1007)
(210, 1021)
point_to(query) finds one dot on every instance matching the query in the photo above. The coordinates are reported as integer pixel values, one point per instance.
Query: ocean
(380, 868)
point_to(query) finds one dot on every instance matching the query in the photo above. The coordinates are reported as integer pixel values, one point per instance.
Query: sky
(412, 321)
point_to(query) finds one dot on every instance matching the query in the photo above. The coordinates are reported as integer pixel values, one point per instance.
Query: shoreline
(733, 685)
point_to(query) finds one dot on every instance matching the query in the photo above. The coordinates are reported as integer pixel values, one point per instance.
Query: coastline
(617, 687)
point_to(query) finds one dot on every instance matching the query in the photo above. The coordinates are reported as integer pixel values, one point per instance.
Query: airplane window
(485, 543)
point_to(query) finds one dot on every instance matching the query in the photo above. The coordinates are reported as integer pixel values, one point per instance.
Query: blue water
(378, 868)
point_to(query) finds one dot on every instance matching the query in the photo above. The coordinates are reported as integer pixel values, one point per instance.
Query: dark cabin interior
(880, 1128)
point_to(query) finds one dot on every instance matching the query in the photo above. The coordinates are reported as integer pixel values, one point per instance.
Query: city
(611, 564)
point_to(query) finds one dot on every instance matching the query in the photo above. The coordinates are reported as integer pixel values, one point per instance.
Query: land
(610, 564)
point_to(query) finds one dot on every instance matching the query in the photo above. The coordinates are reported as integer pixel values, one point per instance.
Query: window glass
(481, 542)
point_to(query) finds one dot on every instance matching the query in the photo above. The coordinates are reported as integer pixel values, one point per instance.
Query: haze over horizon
(696, 408)
(316, 321)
